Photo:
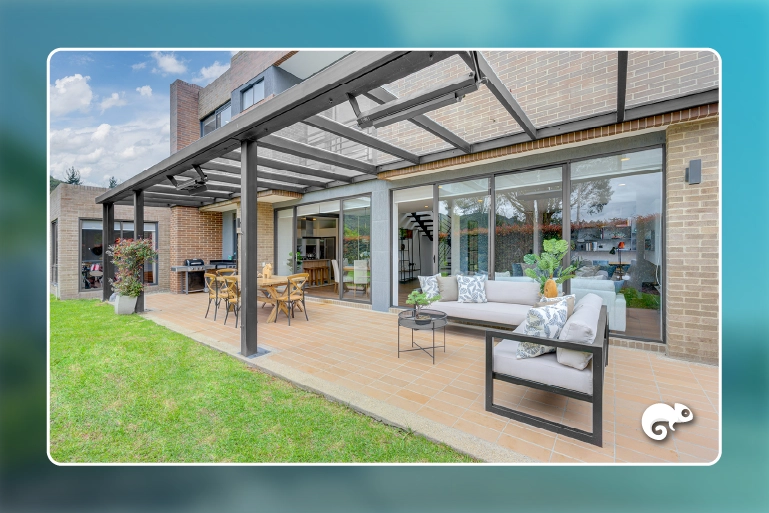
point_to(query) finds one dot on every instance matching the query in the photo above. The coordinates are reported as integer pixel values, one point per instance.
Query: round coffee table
(433, 320)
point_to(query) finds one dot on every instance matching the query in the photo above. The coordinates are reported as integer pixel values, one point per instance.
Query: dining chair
(293, 295)
(226, 272)
(232, 297)
(360, 275)
(213, 292)
(340, 278)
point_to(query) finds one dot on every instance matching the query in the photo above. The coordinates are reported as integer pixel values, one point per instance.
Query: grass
(645, 301)
(124, 389)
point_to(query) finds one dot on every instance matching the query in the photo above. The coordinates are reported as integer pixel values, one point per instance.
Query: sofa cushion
(544, 369)
(501, 314)
(582, 326)
(570, 300)
(543, 322)
(471, 289)
(447, 286)
(520, 292)
(429, 285)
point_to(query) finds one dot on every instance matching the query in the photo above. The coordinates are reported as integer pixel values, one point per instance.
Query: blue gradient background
(29, 31)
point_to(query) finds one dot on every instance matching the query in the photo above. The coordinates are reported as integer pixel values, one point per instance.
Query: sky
(110, 110)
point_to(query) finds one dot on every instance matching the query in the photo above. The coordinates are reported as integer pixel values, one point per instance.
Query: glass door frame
(566, 219)
(339, 238)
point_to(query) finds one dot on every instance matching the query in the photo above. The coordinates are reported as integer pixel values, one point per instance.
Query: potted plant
(419, 299)
(129, 257)
(549, 272)
(294, 258)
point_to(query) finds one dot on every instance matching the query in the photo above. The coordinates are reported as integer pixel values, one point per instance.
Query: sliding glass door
(413, 232)
(463, 227)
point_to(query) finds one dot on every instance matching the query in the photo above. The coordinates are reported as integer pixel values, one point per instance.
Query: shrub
(129, 257)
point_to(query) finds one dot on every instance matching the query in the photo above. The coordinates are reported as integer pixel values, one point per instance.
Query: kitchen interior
(317, 237)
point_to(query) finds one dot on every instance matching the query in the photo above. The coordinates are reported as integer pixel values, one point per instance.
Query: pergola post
(138, 234)
(107, 239)
(248, 261)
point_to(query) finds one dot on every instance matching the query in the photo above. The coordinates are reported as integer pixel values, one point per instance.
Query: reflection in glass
(616, 230)
(285, 221)
(412, 239)
(463, 231)
(528, 211)
(356, 249)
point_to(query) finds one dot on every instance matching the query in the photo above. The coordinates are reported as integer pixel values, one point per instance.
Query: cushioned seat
(542, 369)
(506, 314)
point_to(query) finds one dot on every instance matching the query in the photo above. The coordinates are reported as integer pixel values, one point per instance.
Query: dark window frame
(216, 115)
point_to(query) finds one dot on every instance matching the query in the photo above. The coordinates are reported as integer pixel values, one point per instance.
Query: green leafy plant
(419, 299)
(294, 257)
(129, 257)
(549, 263)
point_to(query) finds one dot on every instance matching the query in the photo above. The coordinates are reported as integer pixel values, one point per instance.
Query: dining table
(270, 286)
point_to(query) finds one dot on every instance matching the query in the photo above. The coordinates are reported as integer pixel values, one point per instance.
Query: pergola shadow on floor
(356, 349)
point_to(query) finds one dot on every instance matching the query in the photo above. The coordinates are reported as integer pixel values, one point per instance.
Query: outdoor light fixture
(693, 173)
(418, 102)
(193, 186)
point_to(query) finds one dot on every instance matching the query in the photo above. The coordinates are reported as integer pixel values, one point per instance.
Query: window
(92, 249)
(616, 237)
(251, 95)
(55, 252)
(218, 119)
(528, 211)
(356, 249)
(463, 227)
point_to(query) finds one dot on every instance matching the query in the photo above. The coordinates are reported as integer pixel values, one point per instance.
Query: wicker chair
(293, 295)
(226, 272)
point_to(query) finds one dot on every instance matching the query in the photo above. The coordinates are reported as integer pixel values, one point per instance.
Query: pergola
(226, 163)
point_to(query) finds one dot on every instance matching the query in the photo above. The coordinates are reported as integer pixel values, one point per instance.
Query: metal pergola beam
(380, 95)
(621, 84)
(267, 175)
(283, 145)
(354, 74)
(290, 166)
(270, 184)
(249, 252)
(171, 192)
(500, 91)
(107, 237)
(336, 128)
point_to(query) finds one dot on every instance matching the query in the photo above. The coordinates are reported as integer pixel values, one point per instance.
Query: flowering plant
(129, 257)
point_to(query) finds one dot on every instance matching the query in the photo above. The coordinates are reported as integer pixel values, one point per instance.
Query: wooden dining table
(270, 286)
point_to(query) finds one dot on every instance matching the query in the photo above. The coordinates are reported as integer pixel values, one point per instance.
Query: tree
(72, 176)
(54, 182)
(112, 182)
(589, 197)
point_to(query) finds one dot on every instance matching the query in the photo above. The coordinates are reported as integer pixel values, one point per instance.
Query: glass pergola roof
(309, 145)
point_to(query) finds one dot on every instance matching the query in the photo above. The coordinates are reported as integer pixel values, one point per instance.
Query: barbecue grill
(195, 269)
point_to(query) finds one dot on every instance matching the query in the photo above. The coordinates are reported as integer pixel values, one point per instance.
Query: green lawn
(124, 389)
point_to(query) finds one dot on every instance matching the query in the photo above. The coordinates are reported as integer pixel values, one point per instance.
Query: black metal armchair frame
(600, 350)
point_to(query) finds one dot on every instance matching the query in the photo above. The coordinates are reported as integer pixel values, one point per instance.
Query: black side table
(433, 319)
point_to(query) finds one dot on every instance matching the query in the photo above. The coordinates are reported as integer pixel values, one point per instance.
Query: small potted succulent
(419, 299)
(129, 257)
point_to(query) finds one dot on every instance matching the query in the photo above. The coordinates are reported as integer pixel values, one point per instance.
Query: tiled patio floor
(356, 348)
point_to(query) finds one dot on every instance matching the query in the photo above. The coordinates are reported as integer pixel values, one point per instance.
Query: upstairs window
(251, 95)
(216, 120)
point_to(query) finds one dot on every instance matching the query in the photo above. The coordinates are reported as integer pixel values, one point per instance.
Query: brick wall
(265, 230)
(214, 95)
(658, 75)
(194, 234)
(692, 287)
(70, 204)
(185, 123)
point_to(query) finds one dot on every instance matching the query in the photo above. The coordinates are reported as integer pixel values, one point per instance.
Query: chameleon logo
(661, 412)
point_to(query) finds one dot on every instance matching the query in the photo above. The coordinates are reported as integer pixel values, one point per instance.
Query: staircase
(423, 223)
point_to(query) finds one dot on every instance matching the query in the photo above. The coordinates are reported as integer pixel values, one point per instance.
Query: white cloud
(69, 94)
(101, 133)
(144, 90)
(111, 150)
(210, 73)
(138, 66)
(115, 100)
(168, 63)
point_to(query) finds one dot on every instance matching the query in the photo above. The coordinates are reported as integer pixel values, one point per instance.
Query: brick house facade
(71, 204)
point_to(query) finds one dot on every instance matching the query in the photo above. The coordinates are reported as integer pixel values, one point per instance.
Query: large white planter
(125, 305)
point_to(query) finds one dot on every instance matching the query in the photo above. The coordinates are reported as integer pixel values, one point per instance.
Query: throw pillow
(587, 270)
(570, 300)
(447, 287)
(429, 285)
(544, 322)
(471, 289)
(525, 266)
(572, 358)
